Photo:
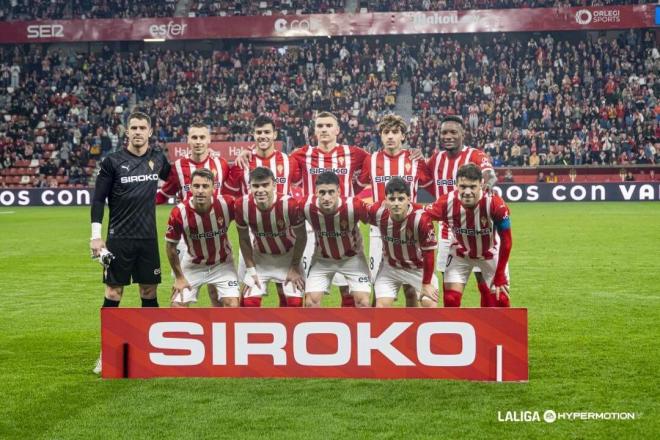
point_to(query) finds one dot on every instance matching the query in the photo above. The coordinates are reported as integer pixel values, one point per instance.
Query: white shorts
(390, 279)
(221, 275)
(339, 280)
(444, 250)
(272, 268)
(375, 250)
(323, 270)
(459, 269)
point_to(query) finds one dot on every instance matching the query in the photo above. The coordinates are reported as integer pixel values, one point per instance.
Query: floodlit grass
(588, 273)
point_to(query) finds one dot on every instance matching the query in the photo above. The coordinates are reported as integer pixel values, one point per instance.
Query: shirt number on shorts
(449, 258)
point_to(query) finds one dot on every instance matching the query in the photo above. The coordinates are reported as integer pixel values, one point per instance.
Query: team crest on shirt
(343, 224)
(280, 168)
(484, 222)
(221, 222)
(341, 161)
(408, 167)
(431, 236)
(409, 233)
(280, 223)
(215, 172)
(151, 165)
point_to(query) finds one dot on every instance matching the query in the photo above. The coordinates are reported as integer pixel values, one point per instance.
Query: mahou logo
(583, 16)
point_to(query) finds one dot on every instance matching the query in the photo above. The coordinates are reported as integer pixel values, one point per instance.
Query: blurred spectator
(540, 177)
(551, 178)
(81, 9)
(453, 5)
(204, 8)
(508, 176)
(629, 177)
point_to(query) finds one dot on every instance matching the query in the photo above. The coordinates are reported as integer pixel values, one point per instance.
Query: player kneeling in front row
(335, 221)
(473, 215)
(409, 241)
(278, 225)
(202, 221)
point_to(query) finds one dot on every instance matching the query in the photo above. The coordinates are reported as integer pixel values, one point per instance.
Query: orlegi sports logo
(140, 178)
(585, 16)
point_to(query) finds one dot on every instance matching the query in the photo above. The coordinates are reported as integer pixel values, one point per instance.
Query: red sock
(252, 301)
(503, 301)
(347, 301)
(293, 301)
(283, 298)
(451, 298)
(487, 297)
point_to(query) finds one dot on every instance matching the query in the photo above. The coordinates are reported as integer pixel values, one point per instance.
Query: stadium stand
(208, 8)
(458, 5)
(82, 9)
(569, 99)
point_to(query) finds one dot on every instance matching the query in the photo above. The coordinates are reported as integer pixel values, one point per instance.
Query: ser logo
(45, 31)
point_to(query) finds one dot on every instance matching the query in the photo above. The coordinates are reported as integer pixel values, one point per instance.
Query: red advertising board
(465, 344)
(296, 26)
(226, 150)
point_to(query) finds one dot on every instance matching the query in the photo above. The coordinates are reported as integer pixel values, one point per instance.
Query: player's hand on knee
(294, 276)
(429, 292)
(251, 279)
(180, 284)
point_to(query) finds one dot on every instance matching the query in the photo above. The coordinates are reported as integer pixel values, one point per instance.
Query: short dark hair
(139, 115)
(325, 114)
(397, 184)
(327, 178)
(262, 120)
(453, 118)
(204, 173)
(470, 171)
(261, 173)
(198, 124)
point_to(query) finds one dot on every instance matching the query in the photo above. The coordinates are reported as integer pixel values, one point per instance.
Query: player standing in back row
(128, 179)
(444, 165)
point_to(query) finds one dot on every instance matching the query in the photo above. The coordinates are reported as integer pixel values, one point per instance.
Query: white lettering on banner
(46, 197)
(468, 344)
(423, 19)
(583, 16)
(307, 24)
(382, 343)
(578, 192)
(556, 195)
(195, 347)
(244, 348)
(304, 357)
(234, 151)
(8, 198)
(45, 31)
(169, 30)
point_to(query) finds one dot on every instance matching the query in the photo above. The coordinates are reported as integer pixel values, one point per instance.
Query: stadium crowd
(206, 8)
(547, 101)
(453, 5)
(83, 9)
(542, 101)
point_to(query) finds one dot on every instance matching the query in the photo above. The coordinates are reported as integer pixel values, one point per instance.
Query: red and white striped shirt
(342, 160)
(380, 167)
(285, 170)
(272, 227)
(338, 235)
(404, 241)
(474, 229)
(205, 234)
(444, 169)
(179, 180)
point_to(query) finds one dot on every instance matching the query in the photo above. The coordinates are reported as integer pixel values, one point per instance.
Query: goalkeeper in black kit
(128, 179)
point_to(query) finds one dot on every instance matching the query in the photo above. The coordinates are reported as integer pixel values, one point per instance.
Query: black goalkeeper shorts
(136, 260)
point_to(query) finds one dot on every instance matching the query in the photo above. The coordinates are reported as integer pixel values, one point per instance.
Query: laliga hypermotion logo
(583, 16)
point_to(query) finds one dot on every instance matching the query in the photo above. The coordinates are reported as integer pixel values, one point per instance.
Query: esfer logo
(45, 31)
(169, 30)
(285, 350)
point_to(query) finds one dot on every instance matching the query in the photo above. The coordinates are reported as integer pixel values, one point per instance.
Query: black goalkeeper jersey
(130, 184)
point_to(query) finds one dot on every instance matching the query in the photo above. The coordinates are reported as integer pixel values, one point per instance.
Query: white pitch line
(7, 212)
(499, 364)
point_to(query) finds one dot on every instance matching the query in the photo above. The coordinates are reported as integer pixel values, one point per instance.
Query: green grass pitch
(588, 273)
